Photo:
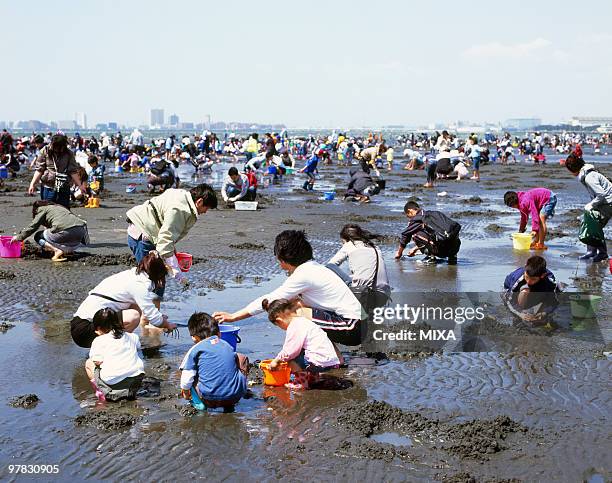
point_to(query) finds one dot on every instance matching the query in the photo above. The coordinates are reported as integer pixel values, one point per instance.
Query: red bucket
(184, 261)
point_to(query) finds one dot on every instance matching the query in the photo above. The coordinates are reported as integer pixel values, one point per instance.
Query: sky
(306, 63)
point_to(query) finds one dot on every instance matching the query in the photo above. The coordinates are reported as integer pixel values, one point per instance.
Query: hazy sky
(316, 63)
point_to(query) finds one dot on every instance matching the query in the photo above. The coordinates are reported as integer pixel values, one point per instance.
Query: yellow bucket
(521, 241)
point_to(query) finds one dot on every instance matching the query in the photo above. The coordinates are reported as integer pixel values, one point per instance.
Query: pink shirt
(530, 203)
(303, 334)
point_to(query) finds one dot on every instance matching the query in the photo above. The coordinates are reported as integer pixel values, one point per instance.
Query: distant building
(113, 126)
(32, 125)
(3, 125)
(81, 120)
(69, 125)
(587, 121)
(173, 120)
(157, 117)
(185, 125)
(523, 123)
(101, 127)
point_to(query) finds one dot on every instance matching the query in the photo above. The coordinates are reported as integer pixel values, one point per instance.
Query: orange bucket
(184, 261)
(278, 377)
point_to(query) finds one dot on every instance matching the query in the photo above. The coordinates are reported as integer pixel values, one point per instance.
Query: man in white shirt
(326, 299)
(235, 187)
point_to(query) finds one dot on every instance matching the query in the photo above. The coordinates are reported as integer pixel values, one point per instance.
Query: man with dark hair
(600, 206)
(433, 233)
(236, 187)
(524, 283)
(159, 223)
(325, 297)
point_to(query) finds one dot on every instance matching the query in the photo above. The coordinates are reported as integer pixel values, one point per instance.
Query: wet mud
(26, 401)
(108, 420)
(6, 275)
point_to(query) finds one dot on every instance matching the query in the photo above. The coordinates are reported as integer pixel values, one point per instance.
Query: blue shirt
(213, 362)
(311, 164)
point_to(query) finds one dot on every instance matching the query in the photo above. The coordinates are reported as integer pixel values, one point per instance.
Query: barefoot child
(540, 203)
(114, 367)
(307, 348)
(212, 374)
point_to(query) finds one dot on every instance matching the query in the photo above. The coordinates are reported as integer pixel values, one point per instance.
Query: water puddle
(394, 439)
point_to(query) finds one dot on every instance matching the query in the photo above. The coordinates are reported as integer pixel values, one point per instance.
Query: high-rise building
(113, 126)
(157, 117)
(173, 120)
(81, 120)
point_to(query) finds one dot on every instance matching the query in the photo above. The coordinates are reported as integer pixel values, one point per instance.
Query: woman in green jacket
(64, 232)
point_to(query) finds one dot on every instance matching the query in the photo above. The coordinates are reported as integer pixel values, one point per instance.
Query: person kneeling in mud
(114, 367)
(433, 233)
(531, 290)
(65, 232)
(162, 174)
(236, 187)
(361, 186)
(307, 348)
(212, 374)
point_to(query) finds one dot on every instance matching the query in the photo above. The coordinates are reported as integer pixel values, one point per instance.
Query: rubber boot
(305, 185)
(602, 254)
(590, 253)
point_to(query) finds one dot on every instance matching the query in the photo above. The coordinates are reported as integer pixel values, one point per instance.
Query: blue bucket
(118, 169)
(3, 172)
(272, 170)
(329, 195)
(229, 333)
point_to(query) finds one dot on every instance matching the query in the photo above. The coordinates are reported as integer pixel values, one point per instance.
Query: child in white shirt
(307, 348)
(114, 367)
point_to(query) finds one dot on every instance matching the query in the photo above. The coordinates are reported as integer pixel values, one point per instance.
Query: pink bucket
(8, 249)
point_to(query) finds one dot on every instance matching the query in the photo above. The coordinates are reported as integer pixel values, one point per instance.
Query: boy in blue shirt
(310, 169)
(212, 374)
(96, 174)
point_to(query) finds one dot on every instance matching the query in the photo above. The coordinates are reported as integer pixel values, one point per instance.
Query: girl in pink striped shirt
(307, 348)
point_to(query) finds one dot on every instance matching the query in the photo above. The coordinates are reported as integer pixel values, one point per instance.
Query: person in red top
(252, 177)
(540, 203)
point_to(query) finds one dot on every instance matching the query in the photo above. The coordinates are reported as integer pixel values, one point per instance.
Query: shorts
(310, 367)
(338, 329)
(548, 210)
(82, 332)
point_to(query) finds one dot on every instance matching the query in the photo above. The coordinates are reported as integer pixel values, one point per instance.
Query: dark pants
(61, 197)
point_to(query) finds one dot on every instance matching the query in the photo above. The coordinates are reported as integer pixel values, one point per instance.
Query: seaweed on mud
(474, 200)
(186, 410)
(6, 275)
(475, 213)
(248, 246)
(215, 284)
(25, 401)
(106, 420)
(495, 228)
(356, 218)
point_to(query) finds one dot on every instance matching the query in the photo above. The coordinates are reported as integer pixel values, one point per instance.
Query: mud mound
(26, 401)
(372, 450)
(186, 410)
(105, 420)
(33, 252)
(474, 200)
(478, 439)
(474, 213)
(105, 260)
(462, 477)
(357, 219)
(6, 275)
(556, 233)
(247, 246)
(495, 228)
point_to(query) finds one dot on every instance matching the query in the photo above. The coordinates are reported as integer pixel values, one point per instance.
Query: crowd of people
(319, 306)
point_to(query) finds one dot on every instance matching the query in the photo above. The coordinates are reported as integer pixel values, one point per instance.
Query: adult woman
(363, 258)
(55, 167)
(129, 293)
(64, 233)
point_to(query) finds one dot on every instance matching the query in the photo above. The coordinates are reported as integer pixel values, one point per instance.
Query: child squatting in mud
(307, 348)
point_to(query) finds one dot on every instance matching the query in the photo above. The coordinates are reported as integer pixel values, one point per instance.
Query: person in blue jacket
(531, 290)
(310, 169)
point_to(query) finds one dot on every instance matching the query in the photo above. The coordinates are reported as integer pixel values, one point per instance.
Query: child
(114, 367)
(600, 191)
(461, 170)
(434, 234)
(540, 203)
(307, 348)
(96, 175)
(212, 373)
(389, 159)
(310, 169)
(524, 283)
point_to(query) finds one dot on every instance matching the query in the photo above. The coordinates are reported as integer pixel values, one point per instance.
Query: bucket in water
(521, 241)
(8, 249)
(329, 195)
(3, 172)
(184, 261)
(279, 377)
(584, 306)
(290, 170)
(229, 333)
(131, 188)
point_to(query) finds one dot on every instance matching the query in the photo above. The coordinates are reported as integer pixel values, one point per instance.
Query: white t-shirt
(119, 357)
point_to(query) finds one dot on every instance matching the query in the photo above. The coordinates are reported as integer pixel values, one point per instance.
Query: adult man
(236, 187)
(159, 223)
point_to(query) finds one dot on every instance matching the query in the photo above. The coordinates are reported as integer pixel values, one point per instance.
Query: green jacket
(55, 217)
(165, 219)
